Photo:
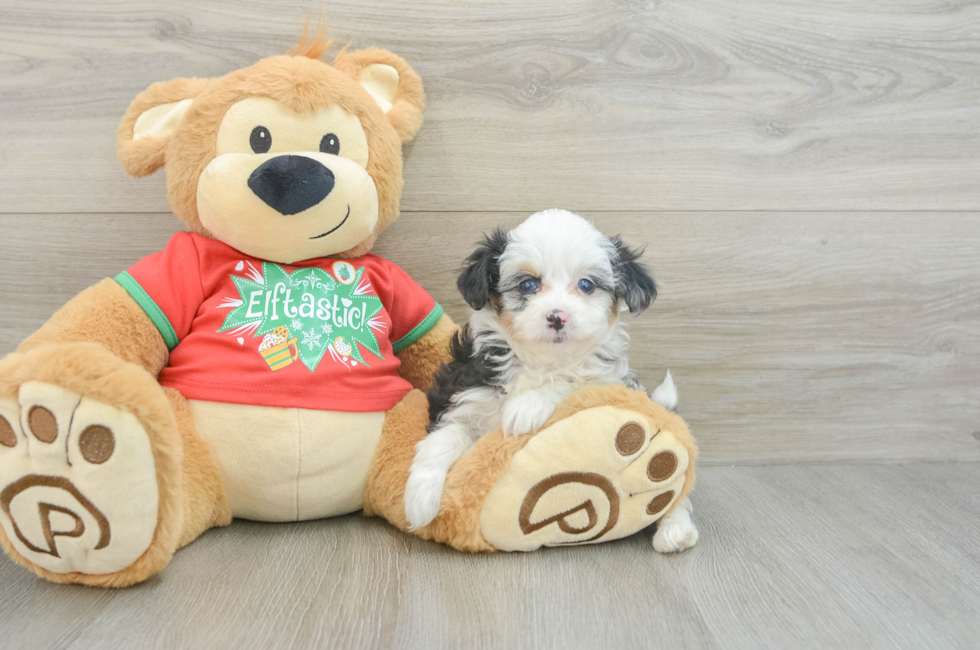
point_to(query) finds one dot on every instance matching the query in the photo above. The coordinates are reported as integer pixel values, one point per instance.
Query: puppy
(547, 298)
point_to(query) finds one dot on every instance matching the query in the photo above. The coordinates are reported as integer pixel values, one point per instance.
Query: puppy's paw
(423, 494)
(675, 536)
(434, 456)
(527, 412)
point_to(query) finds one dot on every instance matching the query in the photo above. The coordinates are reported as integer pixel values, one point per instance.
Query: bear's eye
(330, 143)
(261, 139)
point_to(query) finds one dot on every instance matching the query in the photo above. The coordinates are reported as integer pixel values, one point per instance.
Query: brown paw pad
(43, 424)
(662, 466)
(660, 502)
(7, 436)
(97, 444)
(630, 438)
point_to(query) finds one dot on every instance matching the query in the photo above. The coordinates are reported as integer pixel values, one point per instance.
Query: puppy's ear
(634, 285)
(481, 270)
(150, 121)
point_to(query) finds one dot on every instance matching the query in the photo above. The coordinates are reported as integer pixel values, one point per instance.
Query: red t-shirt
(319, 334)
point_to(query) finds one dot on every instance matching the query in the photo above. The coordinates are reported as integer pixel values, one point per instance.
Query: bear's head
(289, 159)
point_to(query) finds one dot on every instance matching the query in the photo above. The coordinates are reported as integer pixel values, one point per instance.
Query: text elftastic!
(341, 312)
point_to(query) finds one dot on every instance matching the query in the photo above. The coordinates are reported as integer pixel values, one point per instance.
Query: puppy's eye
(527, 286)
(586, 286)
(260, 140)
(330, 143)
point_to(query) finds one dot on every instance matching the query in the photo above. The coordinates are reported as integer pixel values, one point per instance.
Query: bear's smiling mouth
(335, 227)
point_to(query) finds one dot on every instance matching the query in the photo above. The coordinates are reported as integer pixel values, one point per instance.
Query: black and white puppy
(547, 297)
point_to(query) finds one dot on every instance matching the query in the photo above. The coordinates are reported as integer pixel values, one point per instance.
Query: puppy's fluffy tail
(666, 393)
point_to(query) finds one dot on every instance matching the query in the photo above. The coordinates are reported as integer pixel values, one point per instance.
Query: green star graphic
(320, 313)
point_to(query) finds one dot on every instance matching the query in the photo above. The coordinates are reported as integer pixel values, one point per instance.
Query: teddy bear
(266, 365)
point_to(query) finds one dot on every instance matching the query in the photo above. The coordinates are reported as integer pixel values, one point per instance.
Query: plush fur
(143, 157)
(406, 112)
(105, 314)
(422, 359)
(204, 503)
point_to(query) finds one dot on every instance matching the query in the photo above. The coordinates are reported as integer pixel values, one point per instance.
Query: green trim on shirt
(419, 330)
(152, 310)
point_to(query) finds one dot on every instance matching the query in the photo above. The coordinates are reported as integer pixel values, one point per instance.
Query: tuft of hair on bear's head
(312, 46)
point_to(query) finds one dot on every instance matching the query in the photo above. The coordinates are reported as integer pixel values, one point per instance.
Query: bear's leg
(404, 427)
(204, 503)
(95, 485)
(609, 463)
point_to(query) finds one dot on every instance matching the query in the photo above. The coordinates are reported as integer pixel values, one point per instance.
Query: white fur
(537, 365)
(527, 411)
(434, 455)
(666, 393)
(562, 249)
(676, 532)
(541, 366)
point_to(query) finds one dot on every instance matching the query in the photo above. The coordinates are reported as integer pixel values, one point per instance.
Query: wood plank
(673, 105)
(808, 337)
(851, 556)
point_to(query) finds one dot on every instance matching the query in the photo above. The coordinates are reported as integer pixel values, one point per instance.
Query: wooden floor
(847, 556)
(806, 176)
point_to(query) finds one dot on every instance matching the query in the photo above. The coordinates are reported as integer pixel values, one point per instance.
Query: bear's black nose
(291, 184)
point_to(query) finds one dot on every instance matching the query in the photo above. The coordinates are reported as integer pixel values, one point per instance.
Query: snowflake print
(327, 329)
(297, 324)
(311, 339)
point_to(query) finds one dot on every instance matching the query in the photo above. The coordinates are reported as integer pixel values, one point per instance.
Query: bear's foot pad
(78, 490)
(598, 475)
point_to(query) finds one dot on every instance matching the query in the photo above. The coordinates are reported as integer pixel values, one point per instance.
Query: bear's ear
(391, 82)
(150, 120)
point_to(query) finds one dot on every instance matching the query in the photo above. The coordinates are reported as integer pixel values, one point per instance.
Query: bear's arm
(421, 359)
(106, 314)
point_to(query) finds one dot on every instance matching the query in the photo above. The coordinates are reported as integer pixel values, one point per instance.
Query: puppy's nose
(557, 319)
(291, 184)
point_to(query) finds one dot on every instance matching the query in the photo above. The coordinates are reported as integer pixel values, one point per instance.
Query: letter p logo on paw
(78, 489)
(29, 500)
(600, 474)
